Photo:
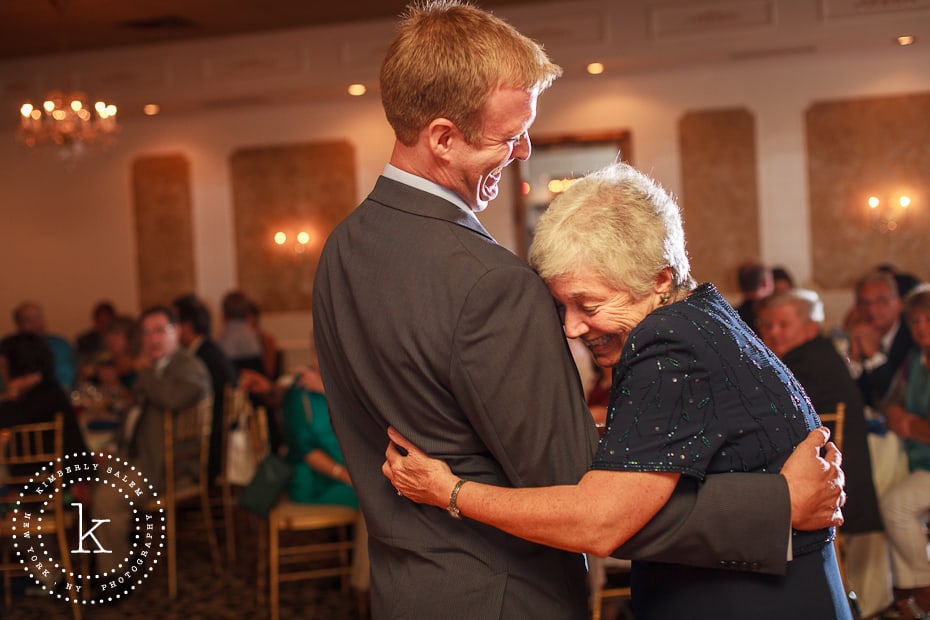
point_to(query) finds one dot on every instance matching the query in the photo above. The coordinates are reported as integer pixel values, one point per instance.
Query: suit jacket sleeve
(184, 382)
(730, 521)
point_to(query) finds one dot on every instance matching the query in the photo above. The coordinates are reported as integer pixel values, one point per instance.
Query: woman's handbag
(270, 480)
(240, 455)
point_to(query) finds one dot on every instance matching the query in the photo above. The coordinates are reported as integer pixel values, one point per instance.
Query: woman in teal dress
(319, 475)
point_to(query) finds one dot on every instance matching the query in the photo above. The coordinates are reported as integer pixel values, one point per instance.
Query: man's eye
(589, 309)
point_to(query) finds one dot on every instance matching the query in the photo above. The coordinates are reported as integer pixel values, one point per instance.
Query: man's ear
(812, 329)
(443, 136)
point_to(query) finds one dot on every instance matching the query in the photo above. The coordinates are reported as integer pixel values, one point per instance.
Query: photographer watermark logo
(126, 508)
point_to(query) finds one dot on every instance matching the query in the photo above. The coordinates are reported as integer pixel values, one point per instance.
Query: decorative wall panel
(719, 199)
(864, 148)
(289, 189)
(164, 233)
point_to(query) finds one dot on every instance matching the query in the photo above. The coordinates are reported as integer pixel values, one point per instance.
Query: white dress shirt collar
(401, 176)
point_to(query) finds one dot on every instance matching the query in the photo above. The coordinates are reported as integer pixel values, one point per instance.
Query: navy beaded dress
(696, 392)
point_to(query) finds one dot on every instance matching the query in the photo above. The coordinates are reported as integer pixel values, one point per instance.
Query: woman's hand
(254, 382)
(416, 476)
(309, 379)
(18, 386)
(815, 483)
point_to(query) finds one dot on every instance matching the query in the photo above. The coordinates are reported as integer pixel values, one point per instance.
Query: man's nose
(523, 150)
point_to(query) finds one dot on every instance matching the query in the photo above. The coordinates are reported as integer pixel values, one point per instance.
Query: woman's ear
(664, 281)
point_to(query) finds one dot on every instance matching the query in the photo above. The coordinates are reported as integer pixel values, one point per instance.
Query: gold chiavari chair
(35, 446)
(187, 444)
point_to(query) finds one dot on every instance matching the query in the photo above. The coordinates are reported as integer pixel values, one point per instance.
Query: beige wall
(67, 236)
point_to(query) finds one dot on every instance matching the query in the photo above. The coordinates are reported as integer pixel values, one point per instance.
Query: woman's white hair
(620, 223)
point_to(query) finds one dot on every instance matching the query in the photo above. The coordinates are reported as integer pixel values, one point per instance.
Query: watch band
(452, 509)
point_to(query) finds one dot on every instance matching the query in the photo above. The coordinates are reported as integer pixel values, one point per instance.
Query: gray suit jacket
(424, 323)
(184, 382)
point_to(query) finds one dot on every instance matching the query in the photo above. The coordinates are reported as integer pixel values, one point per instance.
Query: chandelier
(65, 120)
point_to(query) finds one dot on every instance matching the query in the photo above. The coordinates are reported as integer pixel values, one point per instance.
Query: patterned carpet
(202, 595)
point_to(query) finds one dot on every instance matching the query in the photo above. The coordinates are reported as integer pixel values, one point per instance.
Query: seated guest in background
(171, 379)
(319, 475)
(905, 281)
(238, 339)
(194, 335)
(782, 282)
(121, 361)
(791, 325)
(271, 354)
(695, 392)
(906, 505)
(29, 318)
(90, 343)
(755, 282)
(879, 340)
(33, 394)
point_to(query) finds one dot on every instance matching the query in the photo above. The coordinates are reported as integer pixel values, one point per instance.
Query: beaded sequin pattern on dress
(697, 392)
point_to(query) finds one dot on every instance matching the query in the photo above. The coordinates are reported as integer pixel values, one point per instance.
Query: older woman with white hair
(694, 392)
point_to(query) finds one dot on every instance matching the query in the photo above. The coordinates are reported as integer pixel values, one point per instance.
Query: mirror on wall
(555, 162)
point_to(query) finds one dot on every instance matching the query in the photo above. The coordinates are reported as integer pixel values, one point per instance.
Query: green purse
(271, 479)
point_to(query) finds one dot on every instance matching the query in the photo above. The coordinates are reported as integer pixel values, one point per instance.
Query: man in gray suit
(173, 379)
(424, 323)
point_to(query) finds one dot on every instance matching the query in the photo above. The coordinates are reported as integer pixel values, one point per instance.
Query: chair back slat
(837, 418)
(30, 448)
(31, 444)
(258, 431)
(187, 451)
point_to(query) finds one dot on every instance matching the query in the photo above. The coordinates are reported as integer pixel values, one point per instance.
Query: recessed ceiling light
(906, 39)
(151, 109)
(595, 68)
(357, 90)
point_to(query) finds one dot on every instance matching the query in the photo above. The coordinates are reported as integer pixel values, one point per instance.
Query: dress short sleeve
(696, 392)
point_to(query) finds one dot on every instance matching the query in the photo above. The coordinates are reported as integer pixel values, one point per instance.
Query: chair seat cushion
(291, 515)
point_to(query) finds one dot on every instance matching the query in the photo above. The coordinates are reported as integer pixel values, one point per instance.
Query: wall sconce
(888, 214)
(297, 246)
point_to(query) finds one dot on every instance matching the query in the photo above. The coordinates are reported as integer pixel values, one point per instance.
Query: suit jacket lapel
(402, 197)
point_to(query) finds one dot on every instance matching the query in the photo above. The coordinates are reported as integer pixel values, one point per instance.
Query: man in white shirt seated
(878, 339)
